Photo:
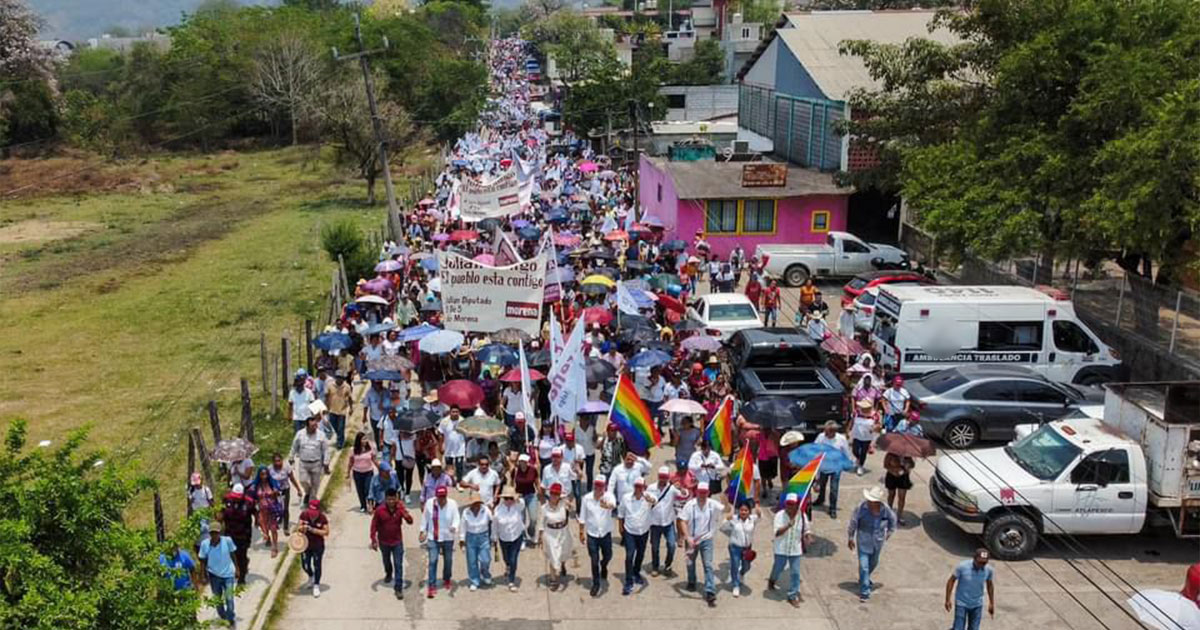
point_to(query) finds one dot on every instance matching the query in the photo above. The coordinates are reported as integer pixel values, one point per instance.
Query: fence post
(202, 451)
(308, 345)
(1120, 300)
(275, 389)
(247, 418)
(345, 285)
(262, 351)
(214, 419)
(191, 467)
(1175, 321)
(160, 523)
(284, 365)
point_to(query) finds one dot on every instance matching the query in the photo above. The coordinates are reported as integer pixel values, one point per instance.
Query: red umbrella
(671, 303)
(514, 375)
(461, 393)
(617, 235)
(426, 202)
(464, 235)
(905, 445)
(838, 344)
(597, 314)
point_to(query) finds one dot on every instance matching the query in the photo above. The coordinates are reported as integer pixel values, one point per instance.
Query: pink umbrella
(514, 376)
(588, 167)
(567, 240)
(683, 405)
(837, 344)
(426, 202)
(441, 236)
(461, 393)
(486, 259)
(617, 235)
(596, 314)
(701, 343)
(464, 235)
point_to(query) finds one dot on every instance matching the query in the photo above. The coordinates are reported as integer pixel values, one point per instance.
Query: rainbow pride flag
(719, 432)
(801, 483)
(632, 417)
(741, 477)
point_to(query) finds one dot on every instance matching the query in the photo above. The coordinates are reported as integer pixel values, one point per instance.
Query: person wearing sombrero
(870, 526)
(863, 430)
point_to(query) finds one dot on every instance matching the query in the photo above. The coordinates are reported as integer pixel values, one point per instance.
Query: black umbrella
(413, 420)
(637, 265)
(594, 289)
(541, 358)
(599, 371)
(487, 225)
(626, 321)
(688, 324)
(637, 336)
(774, 412)
(602, 254)
(658, 345)
(675, 245)
(431, 305)
(609, 272)
(510, 336)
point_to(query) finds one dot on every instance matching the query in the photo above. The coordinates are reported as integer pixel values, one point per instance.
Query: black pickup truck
(784, 362)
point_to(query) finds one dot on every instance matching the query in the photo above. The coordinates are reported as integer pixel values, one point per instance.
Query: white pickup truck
(842, 255)
(1102, 470)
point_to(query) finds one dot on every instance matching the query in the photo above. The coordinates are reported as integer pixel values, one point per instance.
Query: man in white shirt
(595, 530)
(633, 516)
(508, 528)
(706, 466)
(662, 520)
(653, 392)
(698, 520)
(440, 522)
(299, 398)
(792, 534)
(573, 456)
(556, 472)
(483, 480)
(454, 444)
(476, 537)
(620, 481)
(585, 436)
(830, 480)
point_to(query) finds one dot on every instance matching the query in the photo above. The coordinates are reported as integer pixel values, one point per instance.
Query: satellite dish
(727, 153)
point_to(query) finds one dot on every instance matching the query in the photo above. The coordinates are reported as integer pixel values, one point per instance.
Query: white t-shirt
(894, 399)
(636, 514)
(512, 401)
(300, 401)
(455, 443)
(701, 521)
(863, 429)
(487, 483)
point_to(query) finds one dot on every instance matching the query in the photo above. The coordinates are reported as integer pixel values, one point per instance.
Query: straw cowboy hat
(790, 438)
(865, 404)
(298, 542)
(431, 396)
(874, 494)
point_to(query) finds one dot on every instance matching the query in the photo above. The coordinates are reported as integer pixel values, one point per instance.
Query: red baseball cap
(441, 491)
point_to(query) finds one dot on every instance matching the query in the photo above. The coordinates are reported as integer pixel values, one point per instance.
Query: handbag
(748, 555)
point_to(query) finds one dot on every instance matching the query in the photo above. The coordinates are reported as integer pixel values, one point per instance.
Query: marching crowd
(454, 421)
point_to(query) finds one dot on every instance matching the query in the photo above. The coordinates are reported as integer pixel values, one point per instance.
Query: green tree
(706, 67)
(27, 89)
(579, 49)
(69, 559)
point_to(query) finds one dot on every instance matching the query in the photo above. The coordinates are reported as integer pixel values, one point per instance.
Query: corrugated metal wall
(803, 130)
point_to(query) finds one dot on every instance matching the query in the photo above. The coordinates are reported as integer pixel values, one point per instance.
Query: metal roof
(814, 37)
(723, 180)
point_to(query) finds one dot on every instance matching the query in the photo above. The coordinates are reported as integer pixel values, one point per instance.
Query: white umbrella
(683, 405)
(435, 285)
(1165, 610)
(441, 342)
(371, 299)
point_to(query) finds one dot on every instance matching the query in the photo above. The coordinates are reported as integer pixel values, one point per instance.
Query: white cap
(523, 458)
(520, 415)
(663, 470)
(792, 497)
(238, 488)
(557, 450)
(436, 463)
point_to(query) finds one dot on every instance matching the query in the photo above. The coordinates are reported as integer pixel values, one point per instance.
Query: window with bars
(720, 216)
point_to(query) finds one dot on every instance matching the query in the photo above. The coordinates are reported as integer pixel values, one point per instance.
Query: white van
(921, 329)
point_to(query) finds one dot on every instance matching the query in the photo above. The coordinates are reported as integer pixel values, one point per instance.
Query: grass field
(127, 310)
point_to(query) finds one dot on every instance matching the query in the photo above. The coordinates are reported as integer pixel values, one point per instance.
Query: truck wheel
(961, 434)
(795, 275)
(1094, 378)
(1011, 536)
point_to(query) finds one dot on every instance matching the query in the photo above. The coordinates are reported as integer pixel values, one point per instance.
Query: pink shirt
(363, 462)
(767, 449)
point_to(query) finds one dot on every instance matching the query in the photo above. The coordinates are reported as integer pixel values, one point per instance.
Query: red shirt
(387, 526)
(771, 297)
(315, 520)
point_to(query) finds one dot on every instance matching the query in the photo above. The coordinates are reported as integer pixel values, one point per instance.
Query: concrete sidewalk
(913, 573)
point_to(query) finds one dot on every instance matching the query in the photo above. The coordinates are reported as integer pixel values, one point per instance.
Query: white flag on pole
(568, 377)
(625, 300)
(526, 386)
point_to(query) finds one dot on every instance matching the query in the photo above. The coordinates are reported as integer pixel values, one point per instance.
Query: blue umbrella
(441, 342)
(643, 299)
(529, 233)
(384, 375)
(520, 223)
(499, 354)
(637, 283)
(561, 275)
(418, 332)
(332, 341)
(557, 216)
(649, 359)
(835, 459)
(378, 329)
(430, 264)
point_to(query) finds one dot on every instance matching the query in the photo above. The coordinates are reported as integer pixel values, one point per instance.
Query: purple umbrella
(388, 266)
(653, 221)
(441, 236)
(520, 223)
(701, 343)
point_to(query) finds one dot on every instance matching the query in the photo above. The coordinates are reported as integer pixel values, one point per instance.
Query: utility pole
(363, 56)
(637, 166)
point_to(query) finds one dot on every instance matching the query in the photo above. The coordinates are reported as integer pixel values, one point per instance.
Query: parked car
(1106, 469)
(841, 255)
(725, 313)
(785, 362)
(967, 404)
(870, 279)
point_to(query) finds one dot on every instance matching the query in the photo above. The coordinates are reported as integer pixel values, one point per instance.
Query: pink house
(708, 196)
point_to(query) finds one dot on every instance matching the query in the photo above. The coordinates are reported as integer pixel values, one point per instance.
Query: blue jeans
(967, 618)
(511, 551)
(446, 550)
(793, 566)
(773, 316)
(658, 532)
(832, 481)
(867, 561)
(479, 557)
(600, 551)
(704, 551)
(339, 428)
(223, 588)
(635, 555)
(531, 514)
(393, 556)
(737, 566)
